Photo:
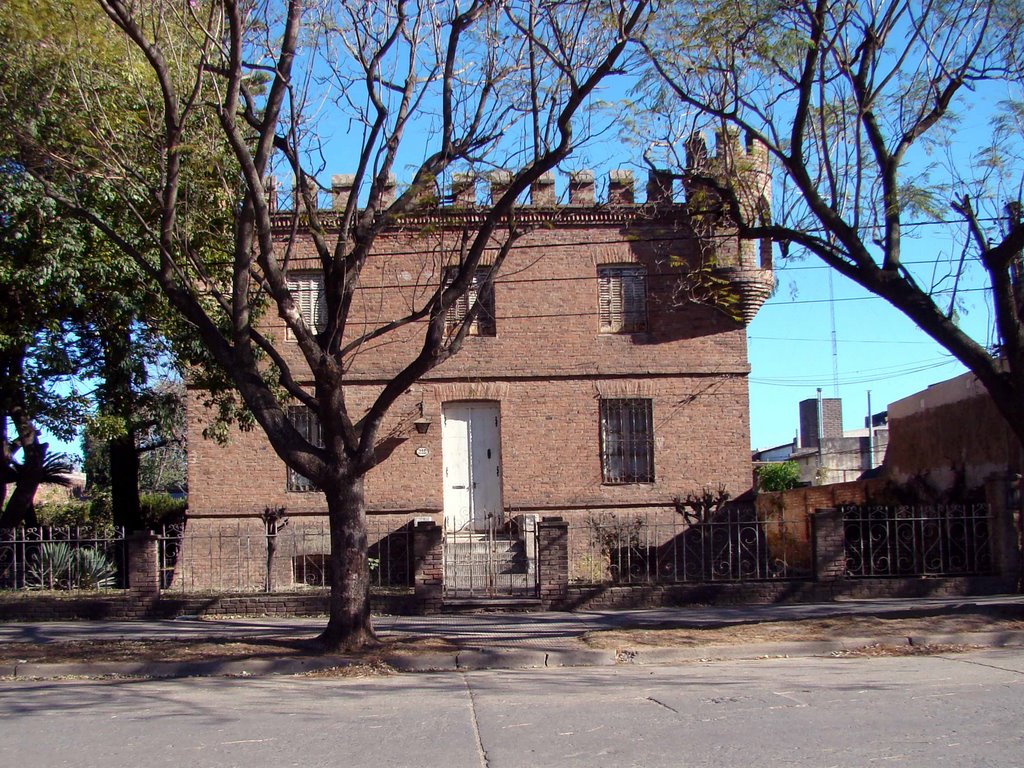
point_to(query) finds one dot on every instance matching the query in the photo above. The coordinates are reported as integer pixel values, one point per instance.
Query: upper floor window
(479, 291)
(627, 441)
(622, 299)
(307, 289)
(308, 425)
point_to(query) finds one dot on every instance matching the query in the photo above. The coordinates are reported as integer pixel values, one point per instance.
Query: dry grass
(237, 649)
(374, 661)
(806, 630)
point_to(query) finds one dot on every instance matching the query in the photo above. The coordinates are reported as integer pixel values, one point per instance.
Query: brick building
(949, 439)
(597, 378)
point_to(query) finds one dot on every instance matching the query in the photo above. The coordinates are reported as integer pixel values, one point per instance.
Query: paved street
(960, 710)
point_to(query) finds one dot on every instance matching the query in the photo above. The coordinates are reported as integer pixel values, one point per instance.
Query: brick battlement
(462, 197)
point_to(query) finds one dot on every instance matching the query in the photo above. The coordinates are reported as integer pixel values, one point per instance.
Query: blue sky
(878, 349)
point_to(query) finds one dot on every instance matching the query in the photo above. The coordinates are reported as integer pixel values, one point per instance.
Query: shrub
(159, 509)
(778, 477)
(76, 514)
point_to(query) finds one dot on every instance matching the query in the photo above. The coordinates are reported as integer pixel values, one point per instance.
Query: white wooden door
(471, 448)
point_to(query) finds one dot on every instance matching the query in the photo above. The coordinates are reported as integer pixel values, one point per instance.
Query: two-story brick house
(591, 382)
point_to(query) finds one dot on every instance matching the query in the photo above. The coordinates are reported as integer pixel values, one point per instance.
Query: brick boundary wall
(428, 566)
(828, 545)
(21, 607)
(143, 574)
(589, 598)
(144, 599)
(552, 562)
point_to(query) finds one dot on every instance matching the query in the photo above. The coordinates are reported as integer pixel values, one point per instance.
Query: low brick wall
(622, 597)
(119, 607)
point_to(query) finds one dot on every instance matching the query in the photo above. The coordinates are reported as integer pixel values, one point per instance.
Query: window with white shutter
(308, 425)
(622, 299)
(307, 289)
(484, 324)
(627, 441)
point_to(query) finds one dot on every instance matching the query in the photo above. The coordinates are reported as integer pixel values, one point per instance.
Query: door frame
(478, 468)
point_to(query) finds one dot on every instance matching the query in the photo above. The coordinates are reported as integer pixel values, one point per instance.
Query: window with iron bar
(307, 289)
(308, 425)
(622, 299)
(484, 324)
(627, 441)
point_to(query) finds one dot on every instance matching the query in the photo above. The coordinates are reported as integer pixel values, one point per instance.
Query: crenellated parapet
(745, 168)
(668, 199)
(579, 189)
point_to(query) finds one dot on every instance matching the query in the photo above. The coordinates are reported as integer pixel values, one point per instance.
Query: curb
(177, 669)
(499, 658)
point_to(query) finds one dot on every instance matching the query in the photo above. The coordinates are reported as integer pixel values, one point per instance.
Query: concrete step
(474, 604)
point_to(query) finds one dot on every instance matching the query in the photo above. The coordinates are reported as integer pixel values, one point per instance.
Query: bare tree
(246, 87)
(858, 104)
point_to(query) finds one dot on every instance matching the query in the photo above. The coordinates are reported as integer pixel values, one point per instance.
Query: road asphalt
(495, 640)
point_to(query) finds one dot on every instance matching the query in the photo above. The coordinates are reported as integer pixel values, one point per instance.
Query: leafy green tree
(159, 428)
(780, 476)
(38, 279)
(111, 325)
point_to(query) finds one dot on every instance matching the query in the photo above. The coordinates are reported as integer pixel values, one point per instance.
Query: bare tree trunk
(124, 482)
(348, 626)
(124, 457)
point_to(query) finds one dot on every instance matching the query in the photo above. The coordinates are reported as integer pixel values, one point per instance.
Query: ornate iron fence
(917, 541)
(247, 555)
(735, 544)
(62, 559)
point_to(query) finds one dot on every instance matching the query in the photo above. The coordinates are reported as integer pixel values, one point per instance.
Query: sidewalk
(493, 640)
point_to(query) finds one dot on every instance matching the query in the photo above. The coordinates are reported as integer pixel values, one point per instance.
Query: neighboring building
(586, 385)
(950, 437)
(824, 451)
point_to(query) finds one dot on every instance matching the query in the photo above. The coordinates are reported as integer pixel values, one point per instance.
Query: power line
(872, 297)
(807, 381)
(841, 341)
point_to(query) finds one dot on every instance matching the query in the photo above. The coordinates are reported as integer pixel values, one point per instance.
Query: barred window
(306, 421)
(622, 299)
(627, 441)
(307, 289)
(484, 324)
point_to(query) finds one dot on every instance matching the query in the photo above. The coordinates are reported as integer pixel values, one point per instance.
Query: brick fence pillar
(829, 545)
(1004, 515)
(428, 566)
(553, 562)
(143, 571)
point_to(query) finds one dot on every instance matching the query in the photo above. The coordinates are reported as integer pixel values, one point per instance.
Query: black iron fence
(734, 544)
(246, 555)
(62, 559)
(953, 540)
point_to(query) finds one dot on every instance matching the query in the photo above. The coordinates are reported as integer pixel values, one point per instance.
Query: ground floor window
(627, 441)
(306, 421)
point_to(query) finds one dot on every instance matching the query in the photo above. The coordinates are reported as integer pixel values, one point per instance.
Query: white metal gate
(497, 562)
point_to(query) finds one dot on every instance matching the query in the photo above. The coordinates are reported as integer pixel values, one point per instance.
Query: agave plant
(52, 566)
(57, 566)
(92, 570)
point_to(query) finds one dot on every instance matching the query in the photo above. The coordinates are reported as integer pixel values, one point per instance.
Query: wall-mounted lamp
(422, 424)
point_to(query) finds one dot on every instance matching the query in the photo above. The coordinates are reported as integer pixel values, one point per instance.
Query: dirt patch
(235, 649)
(805, 630)
(882, 637)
